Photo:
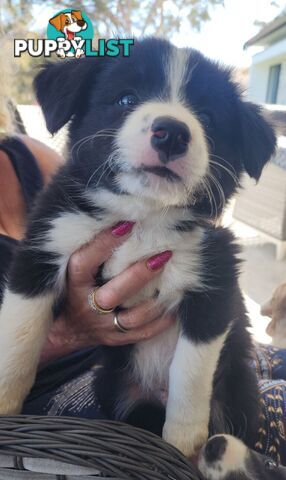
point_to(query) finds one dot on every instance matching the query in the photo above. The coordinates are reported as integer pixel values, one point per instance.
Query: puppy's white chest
(151, 359)
(153, 236)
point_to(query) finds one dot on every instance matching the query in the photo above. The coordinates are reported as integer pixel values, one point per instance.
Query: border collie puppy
(161, 139)
(227, 458)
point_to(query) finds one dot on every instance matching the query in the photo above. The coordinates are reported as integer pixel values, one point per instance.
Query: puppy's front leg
(24, 323)
(36, 279)
(190, 389)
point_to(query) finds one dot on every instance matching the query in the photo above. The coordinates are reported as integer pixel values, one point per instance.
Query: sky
(223, 37)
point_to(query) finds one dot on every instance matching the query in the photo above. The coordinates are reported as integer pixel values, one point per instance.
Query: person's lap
(66, 387)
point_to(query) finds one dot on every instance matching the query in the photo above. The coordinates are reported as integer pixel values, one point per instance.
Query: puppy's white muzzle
(160, 137)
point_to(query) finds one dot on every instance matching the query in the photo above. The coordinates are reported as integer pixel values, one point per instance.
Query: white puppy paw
(186, 437)
(224, 456)
(10, 405)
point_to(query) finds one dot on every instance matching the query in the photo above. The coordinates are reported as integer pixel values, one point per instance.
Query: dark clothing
(31, 181)
(25, 166)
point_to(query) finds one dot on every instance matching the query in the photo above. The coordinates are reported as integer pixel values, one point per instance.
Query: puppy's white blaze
(190, 388)
(24, 324)
(233, 460)
(177, 73)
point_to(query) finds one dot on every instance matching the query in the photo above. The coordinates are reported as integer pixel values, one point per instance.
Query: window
(273, 83)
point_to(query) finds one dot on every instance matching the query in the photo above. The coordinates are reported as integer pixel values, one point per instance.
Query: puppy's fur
(275, 308)
(227, 458)
(161, 139)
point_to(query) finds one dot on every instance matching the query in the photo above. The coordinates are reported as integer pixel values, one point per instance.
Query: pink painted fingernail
(158, 261)
(122, 228)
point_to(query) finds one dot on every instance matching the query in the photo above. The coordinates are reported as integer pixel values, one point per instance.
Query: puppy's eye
(270, 464)
(128, 100)
(205, 118)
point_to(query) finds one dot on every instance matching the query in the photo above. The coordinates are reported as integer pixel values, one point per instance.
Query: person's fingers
(266, 309)
(139, 315)
(136, 335)
(130, 281)
(131, 318)
(85, 262)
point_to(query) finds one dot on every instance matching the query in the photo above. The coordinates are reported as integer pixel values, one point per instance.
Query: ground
(261, 273)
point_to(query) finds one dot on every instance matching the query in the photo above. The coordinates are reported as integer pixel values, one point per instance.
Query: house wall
(259, 72)
(281, 97)
(258, 83)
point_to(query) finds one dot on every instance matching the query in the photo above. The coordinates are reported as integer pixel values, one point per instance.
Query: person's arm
(47, 158)
(12, 205)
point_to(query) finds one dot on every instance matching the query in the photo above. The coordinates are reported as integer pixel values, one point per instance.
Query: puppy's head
(165, 124)
(276, 309)
(226, 458)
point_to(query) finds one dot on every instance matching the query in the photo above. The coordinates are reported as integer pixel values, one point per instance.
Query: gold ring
(117, 324)
(94, 305)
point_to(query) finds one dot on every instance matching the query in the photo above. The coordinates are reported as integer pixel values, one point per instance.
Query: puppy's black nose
(80, 23)
(215, 448)
(170, 138)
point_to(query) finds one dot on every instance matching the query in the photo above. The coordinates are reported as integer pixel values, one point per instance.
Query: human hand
(79, 326)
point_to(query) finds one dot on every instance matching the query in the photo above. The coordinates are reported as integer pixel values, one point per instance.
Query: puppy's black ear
(62, 89)
(258, 140)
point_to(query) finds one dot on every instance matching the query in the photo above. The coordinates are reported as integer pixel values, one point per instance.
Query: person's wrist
(51, 352)
(60, 342)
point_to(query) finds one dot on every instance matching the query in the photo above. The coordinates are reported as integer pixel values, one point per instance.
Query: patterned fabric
(66, 387)
(270, 365)
(73, 394)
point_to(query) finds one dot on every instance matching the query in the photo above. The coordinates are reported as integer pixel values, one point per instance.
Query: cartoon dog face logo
(69, 24)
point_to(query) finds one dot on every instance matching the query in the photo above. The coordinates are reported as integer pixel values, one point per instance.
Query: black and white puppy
(160, 138)
(227, 458)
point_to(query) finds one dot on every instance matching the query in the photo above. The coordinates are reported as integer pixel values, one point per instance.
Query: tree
(157, 17)
(109, 17)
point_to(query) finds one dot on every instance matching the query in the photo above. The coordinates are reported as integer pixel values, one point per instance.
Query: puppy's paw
(10, 406)
(186, 437)
(13, 391)
(223, 456)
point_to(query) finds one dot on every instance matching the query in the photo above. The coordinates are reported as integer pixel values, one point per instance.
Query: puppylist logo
(70, 34)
